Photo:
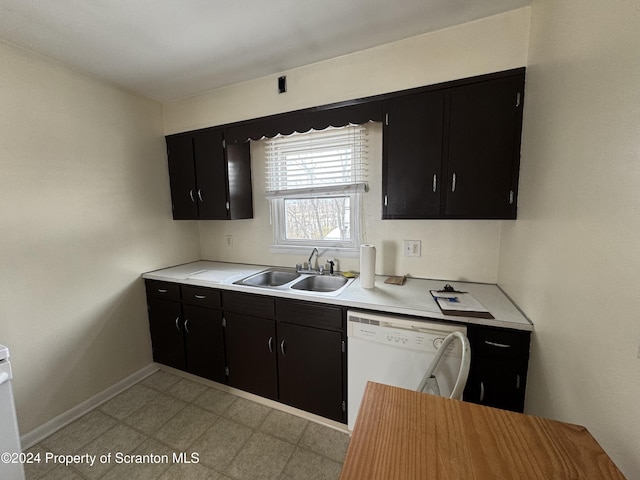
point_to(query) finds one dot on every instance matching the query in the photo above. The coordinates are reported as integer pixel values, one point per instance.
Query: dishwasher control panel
(426, 336)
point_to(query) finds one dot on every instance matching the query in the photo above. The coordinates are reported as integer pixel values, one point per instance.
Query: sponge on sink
(349, 274)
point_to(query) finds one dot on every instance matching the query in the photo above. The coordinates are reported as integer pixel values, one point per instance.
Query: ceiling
(167, 49)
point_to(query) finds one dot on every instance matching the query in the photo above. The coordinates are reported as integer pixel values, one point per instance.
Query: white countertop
(412, 298)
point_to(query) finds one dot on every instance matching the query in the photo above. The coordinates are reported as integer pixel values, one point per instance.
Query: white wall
(452, 250)
(572, 259)
(85, 209)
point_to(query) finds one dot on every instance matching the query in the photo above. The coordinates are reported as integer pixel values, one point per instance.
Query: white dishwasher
(396, 351)
(10, 466)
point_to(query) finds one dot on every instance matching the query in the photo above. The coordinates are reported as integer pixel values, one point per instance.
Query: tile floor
(233, 438)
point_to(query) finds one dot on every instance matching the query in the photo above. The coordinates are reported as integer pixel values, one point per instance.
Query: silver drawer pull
(435, 183)
(177, 320)
(270, 343)
(481, 392)
(193, 200)
(453, 183)
(163, 290)
(186, 325)
(499, 345)
(200, 194)
(200, 297)
(282, 345)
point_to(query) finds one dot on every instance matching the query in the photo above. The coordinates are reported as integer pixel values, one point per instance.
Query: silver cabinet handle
(435, 183)
(453, 183)
(177, 320)
(270, 343)
(193, 200)
(186, 325)
(481, 391)
(499, 345)
(282, 347)
(200, 194)
(200, 297)
(162, 290)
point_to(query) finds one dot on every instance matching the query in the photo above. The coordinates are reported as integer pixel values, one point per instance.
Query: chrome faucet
(315, 250)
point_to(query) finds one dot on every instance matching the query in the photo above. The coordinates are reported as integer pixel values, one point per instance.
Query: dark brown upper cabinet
(454, 152)
(412, 166)
(209, 180)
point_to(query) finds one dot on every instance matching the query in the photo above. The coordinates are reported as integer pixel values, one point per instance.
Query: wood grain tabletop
(401, 434)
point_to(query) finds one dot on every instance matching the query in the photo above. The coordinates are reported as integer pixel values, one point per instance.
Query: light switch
(412, 248)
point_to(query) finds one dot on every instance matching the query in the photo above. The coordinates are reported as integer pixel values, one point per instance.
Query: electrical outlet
(229, 240)
(412, 248)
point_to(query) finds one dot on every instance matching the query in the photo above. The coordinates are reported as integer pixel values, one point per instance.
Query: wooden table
(401, 434)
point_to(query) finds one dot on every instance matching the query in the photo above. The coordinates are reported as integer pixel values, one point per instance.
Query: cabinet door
(239, 180)
(496, 384)
(204, 342)
(412, 159)
(211, 172)
(182, 176)
(251, 357)
(165, 324)
(484, 148)
(310, 370)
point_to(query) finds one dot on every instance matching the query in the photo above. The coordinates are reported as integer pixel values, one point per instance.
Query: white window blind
(317, 163)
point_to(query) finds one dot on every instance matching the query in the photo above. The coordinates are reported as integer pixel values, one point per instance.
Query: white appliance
(10, 466)
(396, 351)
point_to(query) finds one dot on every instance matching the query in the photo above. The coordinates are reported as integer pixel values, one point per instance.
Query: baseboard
(31, 438)
(258, 399)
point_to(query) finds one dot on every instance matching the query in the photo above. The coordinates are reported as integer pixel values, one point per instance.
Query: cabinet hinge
(226, 371)
(344, 347)
(224, 322)
(510, 197)
(344, 406)
(518, 96)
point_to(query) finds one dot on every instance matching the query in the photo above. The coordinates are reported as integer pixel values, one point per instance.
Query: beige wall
(572, 259)
(85, 208)
(452, 250)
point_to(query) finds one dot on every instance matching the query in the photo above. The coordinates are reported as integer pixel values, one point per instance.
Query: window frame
(343, 248)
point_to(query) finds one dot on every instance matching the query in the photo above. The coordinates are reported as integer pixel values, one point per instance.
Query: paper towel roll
(367, 266)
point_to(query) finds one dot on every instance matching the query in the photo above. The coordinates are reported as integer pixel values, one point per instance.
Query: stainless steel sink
(269, 278)
(320, 283)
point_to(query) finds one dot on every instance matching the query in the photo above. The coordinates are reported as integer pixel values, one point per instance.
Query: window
(315, 181)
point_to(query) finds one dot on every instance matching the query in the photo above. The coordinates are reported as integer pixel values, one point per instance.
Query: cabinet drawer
(501, 344)
(309, 314)
(159, 289)
(203, 296)
(248, 304)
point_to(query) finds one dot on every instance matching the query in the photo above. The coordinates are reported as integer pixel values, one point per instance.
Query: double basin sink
(289, 279)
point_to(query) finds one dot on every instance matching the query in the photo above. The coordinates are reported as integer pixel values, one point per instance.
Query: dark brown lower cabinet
(251, 354)
(204, 342)
(186, 336)
(499, 365)
(310, 362)
(167, 339)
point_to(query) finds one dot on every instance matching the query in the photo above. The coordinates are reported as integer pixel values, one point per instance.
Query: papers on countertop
(459, 303)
